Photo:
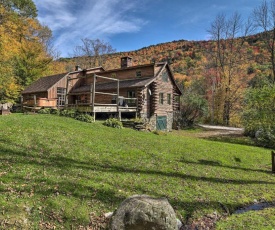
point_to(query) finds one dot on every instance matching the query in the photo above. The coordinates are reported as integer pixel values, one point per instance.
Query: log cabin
(146, 91)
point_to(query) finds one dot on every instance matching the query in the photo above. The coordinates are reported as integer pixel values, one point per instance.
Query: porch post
(22, 98)
(93, 95)
(34, 99)
(67, 90)
(273, 161)
(119, 113)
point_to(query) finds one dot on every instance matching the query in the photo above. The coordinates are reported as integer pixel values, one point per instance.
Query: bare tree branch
(92, 52)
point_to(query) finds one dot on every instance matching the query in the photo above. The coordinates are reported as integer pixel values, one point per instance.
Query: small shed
(47, 91)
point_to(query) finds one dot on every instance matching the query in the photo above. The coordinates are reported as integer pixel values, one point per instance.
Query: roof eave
(31, 92)
(174, 80)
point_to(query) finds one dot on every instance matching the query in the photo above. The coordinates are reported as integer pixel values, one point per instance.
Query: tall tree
(264, 20)
(193, 103)
(226, 57)
(259, 116)
(24, 8)
(24, 55)
(31, 63)
(92, 53)
(34, 53)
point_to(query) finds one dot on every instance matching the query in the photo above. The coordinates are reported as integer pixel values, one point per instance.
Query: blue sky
(132, 24)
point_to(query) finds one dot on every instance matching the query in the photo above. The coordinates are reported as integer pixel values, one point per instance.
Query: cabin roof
(129, 68)
(131, 83)
(87, 70)
(43, 84)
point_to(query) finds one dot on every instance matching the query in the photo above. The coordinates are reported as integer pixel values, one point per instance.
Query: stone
(108, 215)
(179, 224)
(142, 212)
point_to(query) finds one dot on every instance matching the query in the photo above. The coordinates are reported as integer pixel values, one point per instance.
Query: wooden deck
(102, 108)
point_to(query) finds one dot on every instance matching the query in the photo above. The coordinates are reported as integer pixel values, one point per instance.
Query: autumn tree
(9, 44)
(25, 8)
(92, 52)
(258, 116)
(193, 103)
(31, 63)
(23, 49)
(35, 53)
(227, 59)
(264, 21)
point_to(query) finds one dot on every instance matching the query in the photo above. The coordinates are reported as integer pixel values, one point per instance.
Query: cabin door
(161, 122)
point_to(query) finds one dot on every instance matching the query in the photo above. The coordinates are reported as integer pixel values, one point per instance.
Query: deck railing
(95, 107)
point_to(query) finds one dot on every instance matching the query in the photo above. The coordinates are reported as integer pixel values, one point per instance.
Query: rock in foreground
(142, 212)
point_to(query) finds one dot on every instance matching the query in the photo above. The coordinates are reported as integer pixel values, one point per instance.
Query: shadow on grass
(109, 196)
(47, 160)
(218, 164)
(232, 139)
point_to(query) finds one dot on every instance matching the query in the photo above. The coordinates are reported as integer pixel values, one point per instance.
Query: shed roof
(43, 84)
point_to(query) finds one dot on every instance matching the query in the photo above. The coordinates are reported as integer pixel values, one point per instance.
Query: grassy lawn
(56, 171)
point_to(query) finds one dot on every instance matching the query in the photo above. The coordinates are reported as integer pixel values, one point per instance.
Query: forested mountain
(188, 59)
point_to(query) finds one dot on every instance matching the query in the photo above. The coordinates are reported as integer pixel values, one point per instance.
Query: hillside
(57, 172)
(182, 55)
(187, 58)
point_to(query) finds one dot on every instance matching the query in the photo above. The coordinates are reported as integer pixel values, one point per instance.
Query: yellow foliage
(19, 41)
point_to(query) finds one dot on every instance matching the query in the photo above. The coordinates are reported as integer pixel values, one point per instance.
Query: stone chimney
(126, 62)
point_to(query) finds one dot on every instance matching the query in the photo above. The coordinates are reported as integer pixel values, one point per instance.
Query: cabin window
(161, 98)
(80, 99)
(177, 98)
(61, 94)
(138, 73)
(131, 94)
(168, 98)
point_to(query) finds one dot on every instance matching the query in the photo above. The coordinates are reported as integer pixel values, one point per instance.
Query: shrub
(68, 113)
(138, 120)
(259, 116)
(55, 111)
(44, 111)
(266, 137)
(84, 117)
(113, 122)
(16, 109)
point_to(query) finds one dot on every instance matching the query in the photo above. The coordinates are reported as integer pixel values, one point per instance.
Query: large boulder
(142, 212)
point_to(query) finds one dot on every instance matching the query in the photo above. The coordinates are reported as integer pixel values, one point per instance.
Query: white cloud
(71, 21)
(55, 13)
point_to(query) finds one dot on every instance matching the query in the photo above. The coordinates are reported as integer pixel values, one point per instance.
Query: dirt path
(216, 127)
(212, 131)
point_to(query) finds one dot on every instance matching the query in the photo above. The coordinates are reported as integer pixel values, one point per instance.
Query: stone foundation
(152, 121)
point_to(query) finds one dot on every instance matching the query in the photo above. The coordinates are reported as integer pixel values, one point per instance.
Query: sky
(133, 24)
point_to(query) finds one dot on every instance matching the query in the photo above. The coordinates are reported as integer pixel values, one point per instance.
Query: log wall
(163, 85)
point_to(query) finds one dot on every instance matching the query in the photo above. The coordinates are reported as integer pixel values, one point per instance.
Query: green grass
(251, 220)
(237, 139)
(55, 171)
